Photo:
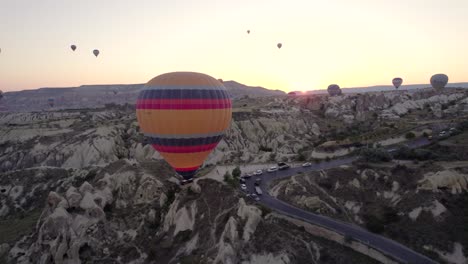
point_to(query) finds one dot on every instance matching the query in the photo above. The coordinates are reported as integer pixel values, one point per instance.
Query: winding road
(387, 246)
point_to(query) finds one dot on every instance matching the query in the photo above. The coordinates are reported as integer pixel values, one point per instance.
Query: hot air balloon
(279, 45)
(96, 52)
(334, 90)
(51, 101)
(397, 82)
(185, 115)
(73, 47)
(248, 31)
(438, 81)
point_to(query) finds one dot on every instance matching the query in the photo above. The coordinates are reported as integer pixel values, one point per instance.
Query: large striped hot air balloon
(185, 115)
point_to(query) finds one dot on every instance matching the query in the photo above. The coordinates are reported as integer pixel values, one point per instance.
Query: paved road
(380, 243)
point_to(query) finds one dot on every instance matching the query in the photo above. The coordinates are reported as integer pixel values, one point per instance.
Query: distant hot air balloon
(334, 89)
(96, 52)
(397, 82)
(279, 45)
(248, 31)
(185, 115)
(438, 81)
(73, 47)
(51, 102)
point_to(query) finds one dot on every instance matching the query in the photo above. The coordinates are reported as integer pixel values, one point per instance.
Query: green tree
(227, 176)
(410, 135)
(236, 172)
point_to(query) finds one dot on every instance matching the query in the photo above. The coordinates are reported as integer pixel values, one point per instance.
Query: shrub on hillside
(375, 155)
(410, 135)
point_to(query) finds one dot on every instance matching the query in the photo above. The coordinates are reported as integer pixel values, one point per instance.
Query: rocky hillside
(85, 184)
(418, 200)
(127, 212)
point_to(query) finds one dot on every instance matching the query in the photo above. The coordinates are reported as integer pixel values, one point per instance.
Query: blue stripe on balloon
(183, 94)
(185, 141)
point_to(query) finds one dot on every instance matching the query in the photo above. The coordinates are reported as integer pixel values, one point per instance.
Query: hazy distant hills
(91, 96)
(380, 88)
(238, 90)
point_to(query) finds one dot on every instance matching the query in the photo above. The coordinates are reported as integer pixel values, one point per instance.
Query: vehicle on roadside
(242, 180)
(283, 166)
(243, 187)
(258, 181)
(429, 137)
(186, 181)
(307, 164)
(272, 169)
(258, 190)
(253, 195)
(246, 176)
(442, 134)
(257, 198)
(258, 172)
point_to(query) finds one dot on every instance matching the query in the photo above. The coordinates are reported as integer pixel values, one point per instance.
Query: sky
(350, 43)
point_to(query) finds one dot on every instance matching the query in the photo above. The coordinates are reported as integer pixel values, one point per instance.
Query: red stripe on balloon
(183, 104)
(185, 149)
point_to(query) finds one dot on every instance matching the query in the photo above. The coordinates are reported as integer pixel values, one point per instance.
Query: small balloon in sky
(73, 47)
(397, 82)
(96, 52)
(248, 31)
(279, 45)
(438, 81)
(334, 90)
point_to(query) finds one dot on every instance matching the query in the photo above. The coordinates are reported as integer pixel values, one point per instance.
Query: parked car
(242, 180)
(243, 187)
(258, 172)
(272, 169)
(257, 198)
(258, 190)
(184, 181)
(283, 166)
(307, 164)
(246, 176)
(258, 181)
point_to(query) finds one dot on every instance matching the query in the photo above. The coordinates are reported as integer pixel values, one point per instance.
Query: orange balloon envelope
(185, 115)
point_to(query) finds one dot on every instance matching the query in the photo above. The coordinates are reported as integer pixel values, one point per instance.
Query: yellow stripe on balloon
(185, 160)
(184, 121)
